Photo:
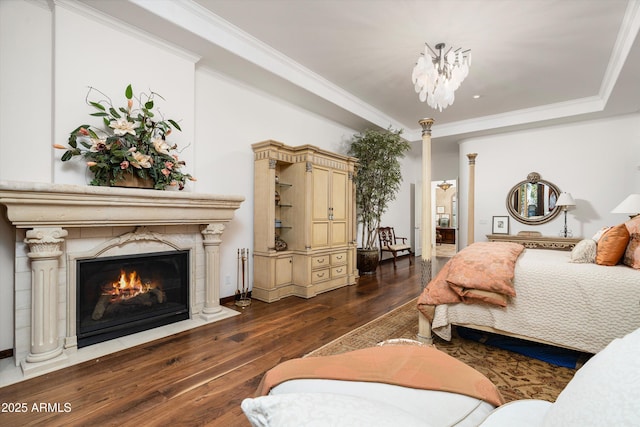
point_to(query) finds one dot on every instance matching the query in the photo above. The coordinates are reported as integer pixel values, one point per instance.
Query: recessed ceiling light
(476, 96)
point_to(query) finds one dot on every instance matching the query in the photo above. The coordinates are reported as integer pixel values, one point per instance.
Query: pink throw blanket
(416, 367)
(482, 272)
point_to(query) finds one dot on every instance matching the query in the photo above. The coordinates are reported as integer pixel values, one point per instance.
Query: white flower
(98, 145)
(122, 127)
(141, 160)
(161, 146)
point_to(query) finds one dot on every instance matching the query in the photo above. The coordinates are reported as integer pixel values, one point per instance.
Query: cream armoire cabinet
(304, 221)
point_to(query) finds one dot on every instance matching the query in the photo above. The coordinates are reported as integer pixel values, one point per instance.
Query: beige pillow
(584, 251)
(612, 245)
(632, 254)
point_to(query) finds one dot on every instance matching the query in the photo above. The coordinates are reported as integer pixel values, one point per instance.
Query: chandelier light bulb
(437, 75)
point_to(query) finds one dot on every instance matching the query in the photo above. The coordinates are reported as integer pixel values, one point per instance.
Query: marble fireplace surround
(56, 224)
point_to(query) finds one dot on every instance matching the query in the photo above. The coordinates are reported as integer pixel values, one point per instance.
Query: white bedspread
(580, 306)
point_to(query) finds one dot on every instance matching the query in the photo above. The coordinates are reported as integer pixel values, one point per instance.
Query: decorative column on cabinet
(304, 221)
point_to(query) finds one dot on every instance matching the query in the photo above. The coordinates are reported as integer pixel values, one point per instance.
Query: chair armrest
(404, 239)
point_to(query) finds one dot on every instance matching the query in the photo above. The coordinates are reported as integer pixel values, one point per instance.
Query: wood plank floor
(199, 377)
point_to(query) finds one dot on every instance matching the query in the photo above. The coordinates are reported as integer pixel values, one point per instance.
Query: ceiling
(535, 62)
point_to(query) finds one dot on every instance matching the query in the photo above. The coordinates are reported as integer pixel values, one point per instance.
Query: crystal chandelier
(436, 76)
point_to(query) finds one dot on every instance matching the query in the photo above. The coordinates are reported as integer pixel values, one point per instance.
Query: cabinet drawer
(339, 258)
(320, 261)
(339, 271)
(320, 275)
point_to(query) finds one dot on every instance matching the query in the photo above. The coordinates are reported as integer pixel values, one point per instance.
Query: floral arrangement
(133, 142)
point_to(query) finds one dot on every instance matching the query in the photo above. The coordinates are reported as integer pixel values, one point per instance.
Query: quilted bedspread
(580, 306)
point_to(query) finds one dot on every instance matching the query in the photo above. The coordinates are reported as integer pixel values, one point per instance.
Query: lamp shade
(565, 199)
(629, 206)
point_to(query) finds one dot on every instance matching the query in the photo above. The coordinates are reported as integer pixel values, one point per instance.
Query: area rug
(516, 376)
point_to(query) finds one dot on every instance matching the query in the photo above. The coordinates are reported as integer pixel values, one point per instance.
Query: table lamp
(565, 201)
(629, 206)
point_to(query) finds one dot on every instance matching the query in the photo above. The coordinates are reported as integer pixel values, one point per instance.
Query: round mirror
(533, 201)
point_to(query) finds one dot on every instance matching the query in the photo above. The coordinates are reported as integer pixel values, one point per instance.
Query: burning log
(147, 299)
(127, 292)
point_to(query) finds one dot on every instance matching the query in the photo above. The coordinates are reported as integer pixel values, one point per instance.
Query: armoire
(304, 221)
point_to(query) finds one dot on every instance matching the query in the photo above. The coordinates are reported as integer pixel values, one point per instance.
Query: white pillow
(605, 391)
(599, 233)
(584, 251)
(324, 409)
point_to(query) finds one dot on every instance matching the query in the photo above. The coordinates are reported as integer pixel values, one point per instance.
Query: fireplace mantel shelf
(31, 204)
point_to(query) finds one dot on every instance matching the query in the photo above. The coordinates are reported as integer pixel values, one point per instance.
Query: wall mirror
(533, 201)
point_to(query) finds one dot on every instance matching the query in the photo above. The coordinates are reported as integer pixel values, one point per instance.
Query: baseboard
(6, 353)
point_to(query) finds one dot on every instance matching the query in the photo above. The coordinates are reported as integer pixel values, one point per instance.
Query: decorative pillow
(604, 392)
(324, 409)
(612, 245)
(584, 251)
(632, 254)
(599, 233)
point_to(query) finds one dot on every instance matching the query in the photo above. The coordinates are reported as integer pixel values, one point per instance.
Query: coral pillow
(612, 245)
(632, 254)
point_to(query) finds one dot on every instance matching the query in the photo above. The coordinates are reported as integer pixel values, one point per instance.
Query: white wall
(597, 161)
(40, 105)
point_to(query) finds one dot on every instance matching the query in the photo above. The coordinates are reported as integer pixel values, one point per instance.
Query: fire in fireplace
(122, 295)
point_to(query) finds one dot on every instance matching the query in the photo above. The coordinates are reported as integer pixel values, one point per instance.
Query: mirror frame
(532, 178)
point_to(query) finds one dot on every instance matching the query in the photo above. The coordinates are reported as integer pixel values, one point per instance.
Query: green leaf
(97, 105)
(128, 92)
(92, 134)
(114, 113)
(106, 121)
(148, 105)
(85, 145)
(99, 114)
(175, 125)
(67, 156)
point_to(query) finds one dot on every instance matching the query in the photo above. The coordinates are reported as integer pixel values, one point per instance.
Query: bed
(576, 305)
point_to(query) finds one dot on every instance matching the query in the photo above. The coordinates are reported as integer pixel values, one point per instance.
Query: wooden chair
(389, 243)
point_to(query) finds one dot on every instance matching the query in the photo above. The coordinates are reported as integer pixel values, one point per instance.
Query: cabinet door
(330, 190)
(320, 227)
(338, 208)
(284, 271)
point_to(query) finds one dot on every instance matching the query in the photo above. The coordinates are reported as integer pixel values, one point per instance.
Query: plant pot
(131, 180)
(367, 261)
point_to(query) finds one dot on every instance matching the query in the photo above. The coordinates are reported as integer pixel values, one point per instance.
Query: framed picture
(439, 209)
(500, 225)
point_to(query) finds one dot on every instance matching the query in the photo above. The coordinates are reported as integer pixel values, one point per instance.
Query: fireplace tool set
(242, 299)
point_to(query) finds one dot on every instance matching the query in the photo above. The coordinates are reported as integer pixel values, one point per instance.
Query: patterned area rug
(516, 376)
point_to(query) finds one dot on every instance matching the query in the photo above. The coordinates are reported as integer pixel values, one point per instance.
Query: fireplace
(58, 225)
(122, 295)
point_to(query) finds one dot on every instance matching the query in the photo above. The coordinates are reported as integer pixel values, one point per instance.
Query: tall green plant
(378, 178)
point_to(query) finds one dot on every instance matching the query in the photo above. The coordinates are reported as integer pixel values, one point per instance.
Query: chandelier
(436, 76)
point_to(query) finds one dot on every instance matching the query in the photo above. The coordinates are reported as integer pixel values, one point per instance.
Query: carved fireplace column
(212, 238)
(427, 223)
(44, 252)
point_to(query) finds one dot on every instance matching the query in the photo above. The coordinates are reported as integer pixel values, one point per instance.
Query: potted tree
(377, 183)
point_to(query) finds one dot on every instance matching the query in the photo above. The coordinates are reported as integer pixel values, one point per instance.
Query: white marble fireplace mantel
(49, 214)
(31, 205)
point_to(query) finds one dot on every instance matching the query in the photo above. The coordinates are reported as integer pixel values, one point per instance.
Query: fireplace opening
(122, 295)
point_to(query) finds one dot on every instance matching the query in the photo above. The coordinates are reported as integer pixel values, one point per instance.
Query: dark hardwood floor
(199, 377)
